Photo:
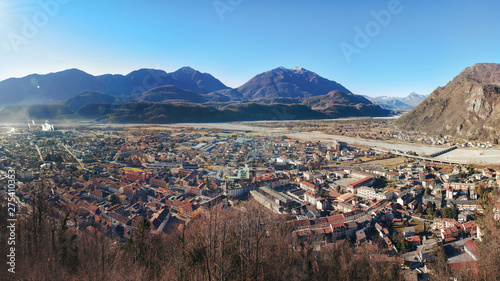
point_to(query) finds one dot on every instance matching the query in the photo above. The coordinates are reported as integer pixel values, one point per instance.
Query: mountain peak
(296, 69)
(280, 69)
(480, 73)
(290, 83)
(186, 69)
(299, 69)
(414, 99)
(71, 71)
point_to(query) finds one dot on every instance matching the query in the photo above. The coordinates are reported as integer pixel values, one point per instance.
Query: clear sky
(423, 44)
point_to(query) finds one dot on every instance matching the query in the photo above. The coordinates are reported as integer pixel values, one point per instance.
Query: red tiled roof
(471, 264)
(308, 184)
(335, 218)
(472, 246)
(413, 239)
(360, 182)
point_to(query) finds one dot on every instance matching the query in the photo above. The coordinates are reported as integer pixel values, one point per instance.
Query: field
(352, 127)
(419, 227)
(133, 169)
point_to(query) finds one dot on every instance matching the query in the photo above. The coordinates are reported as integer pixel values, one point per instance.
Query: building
(96, 195)
(360, 236)
(463, 205)
(267, 202)
(372, 193)
(238, 190)
(413, 240)
(312, 197)
(366, 181)
(472, 249)
(189, 210)
(339, 145)
(424, 251)
(453, 187)
(309, 186)
(405, 199)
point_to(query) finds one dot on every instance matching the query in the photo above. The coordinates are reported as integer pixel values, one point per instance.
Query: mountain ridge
(468, 106)
(63, 85)
(399, 104)
(297, 87)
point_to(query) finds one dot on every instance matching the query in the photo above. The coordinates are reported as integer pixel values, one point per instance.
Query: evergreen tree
(440, 263)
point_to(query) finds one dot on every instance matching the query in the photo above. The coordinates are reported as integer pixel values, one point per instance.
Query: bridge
(424, 158)
(442, 152)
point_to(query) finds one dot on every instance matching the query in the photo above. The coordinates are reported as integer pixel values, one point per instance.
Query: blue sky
(423, 45)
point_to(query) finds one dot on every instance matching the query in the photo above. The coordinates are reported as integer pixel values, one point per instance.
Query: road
(78, 160)
(39, 153)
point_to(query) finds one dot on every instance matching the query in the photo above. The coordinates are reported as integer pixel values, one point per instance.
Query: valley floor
(485, 156)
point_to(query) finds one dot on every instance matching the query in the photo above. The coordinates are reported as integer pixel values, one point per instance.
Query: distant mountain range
(81, 95)
(468, 106)
(60, 86)
(398, 104)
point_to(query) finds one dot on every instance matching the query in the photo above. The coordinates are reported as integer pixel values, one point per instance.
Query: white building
(371, 193)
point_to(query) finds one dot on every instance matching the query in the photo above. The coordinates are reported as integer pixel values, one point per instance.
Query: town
(108, 179)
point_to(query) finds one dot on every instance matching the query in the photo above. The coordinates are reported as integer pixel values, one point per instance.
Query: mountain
(53, 87)
(82, 95)
(144, 112)
(170, 94)
(337, 104)
(88, 97)
(283, 82)
(185, 78)
(468, 106)
(192, 80)
(60, 86)
(335, 97)
(414, 99)
(396, 103)
(390, 103)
